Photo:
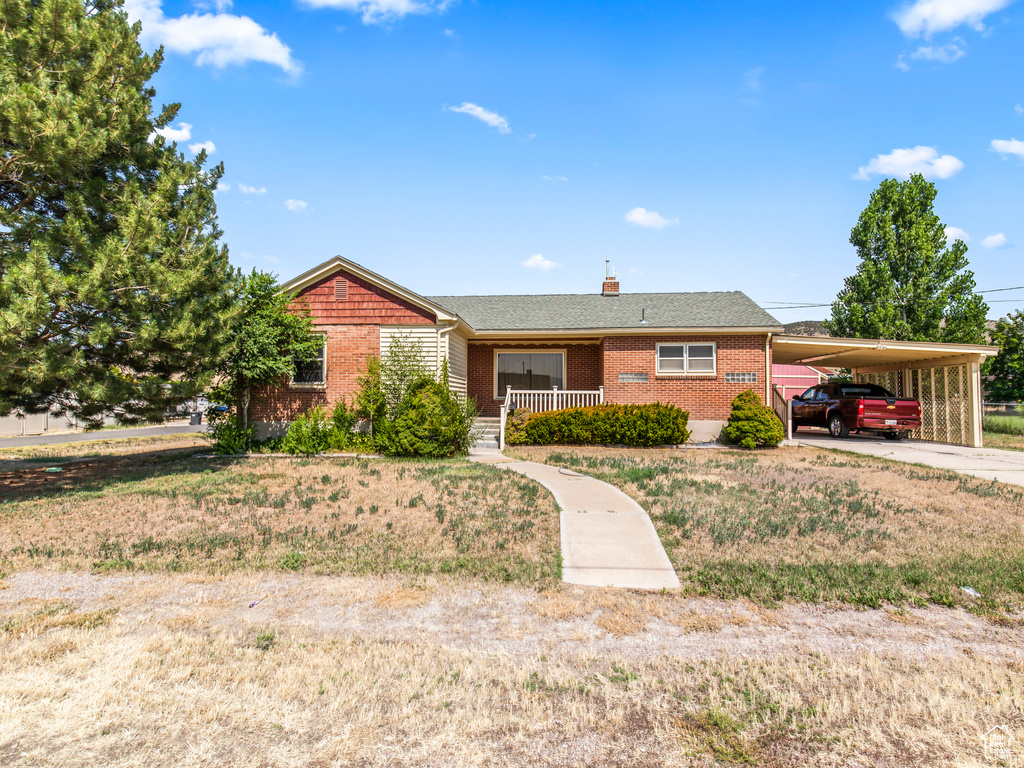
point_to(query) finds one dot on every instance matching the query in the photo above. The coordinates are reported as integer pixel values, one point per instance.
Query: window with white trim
(313, 371)
(529, 371)
(683, 359)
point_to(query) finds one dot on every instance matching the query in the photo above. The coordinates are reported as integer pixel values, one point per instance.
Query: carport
(945, 378)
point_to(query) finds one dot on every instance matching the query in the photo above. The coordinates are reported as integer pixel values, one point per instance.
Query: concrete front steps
(489, 426)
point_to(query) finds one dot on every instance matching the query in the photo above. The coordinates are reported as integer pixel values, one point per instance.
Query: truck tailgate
(895, 408)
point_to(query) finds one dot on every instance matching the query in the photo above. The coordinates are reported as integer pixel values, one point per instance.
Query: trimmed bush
(753, 424)
(432, 422)
(640, 425)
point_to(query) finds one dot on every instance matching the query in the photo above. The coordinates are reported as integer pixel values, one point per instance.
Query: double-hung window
(528, 370)
(313, 371)
(682, 359)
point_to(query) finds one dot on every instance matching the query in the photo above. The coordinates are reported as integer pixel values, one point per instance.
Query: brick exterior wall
(348, 346)
(582, 364)
(352, 328)
(704, 396)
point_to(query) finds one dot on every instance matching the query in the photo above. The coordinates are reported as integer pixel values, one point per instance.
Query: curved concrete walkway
(608, 540)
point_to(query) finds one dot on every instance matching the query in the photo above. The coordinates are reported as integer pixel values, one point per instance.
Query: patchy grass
(818, 526)
(61, 454)
(174, 513)
(1008, 442)
(198, 689)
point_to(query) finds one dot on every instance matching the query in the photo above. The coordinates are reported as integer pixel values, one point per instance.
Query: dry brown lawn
(807, 524)
(157, 670)
(60, 454)
(161, 510)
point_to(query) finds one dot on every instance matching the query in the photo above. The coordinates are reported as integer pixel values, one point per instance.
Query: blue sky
(486, 147)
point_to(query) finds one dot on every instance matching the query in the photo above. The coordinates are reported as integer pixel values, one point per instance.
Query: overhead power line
(809, 305)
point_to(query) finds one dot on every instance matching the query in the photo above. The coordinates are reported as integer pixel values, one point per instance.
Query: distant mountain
(806, 328)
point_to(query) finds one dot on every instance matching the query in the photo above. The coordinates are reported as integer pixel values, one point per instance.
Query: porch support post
(974, 414)
(600, 397)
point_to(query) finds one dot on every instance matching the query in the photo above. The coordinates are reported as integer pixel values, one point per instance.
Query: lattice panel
(945, 402)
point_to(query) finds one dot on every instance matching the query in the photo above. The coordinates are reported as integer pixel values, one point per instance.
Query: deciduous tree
(1006, 370)
(911, 284)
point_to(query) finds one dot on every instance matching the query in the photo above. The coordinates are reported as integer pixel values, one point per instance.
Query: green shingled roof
(728, 309)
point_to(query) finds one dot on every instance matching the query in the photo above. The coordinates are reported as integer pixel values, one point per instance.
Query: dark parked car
(842, 407)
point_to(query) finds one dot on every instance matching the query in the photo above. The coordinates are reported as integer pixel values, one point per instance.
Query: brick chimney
(611, 281)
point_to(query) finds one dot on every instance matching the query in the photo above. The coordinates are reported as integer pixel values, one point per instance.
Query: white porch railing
(539, 401)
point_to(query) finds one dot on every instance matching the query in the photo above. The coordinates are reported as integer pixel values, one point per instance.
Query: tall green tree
(1005, 371)
(115, 294)
(271, 336)
(910, 285)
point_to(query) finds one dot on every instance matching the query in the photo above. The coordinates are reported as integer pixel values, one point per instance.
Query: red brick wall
(582, 363)
(366, 304)
(348, 346)
(353, 334)
(704, 396)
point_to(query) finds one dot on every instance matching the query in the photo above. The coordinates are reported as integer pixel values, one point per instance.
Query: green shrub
(314, 432)
(431, 422)
(640, 425)
(752, 424)
(227, 438)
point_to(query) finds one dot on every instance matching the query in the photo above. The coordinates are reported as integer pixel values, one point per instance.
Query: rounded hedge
(752, 424)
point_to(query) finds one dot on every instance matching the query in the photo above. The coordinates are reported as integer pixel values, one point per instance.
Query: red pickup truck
(842, 407)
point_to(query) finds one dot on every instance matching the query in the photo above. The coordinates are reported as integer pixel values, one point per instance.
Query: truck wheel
(836, 426)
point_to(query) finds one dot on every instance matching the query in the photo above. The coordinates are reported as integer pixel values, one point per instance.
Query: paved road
(986, 463)
(105, 434)
(608, 540)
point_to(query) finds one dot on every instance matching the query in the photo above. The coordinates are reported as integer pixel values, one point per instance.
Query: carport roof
(875, 354)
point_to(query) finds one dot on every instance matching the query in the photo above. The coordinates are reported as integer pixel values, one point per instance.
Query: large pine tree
(911, 284)
(115, 294)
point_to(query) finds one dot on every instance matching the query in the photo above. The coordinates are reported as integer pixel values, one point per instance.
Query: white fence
(539, 401)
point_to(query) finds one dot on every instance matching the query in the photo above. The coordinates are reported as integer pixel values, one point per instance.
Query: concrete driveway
(986, 463)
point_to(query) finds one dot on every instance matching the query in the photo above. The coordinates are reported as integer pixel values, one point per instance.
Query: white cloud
(209, 146)
(752, 78)
(926, 17)
(296, 205)
(247, 190)
(904, 162)
(995, 241)
(652, 219)
(449, 33)
(555, 178)
(221, 187)
(1008, 147)
(182, 133)
(901, 63)
(944, 54)
(493, 119)
(955, 233)
(382, 11)
(218, 39)
(1019, 110)
(537, 261)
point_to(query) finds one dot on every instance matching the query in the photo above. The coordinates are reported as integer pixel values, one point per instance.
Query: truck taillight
(860, 407)
(919, 410)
